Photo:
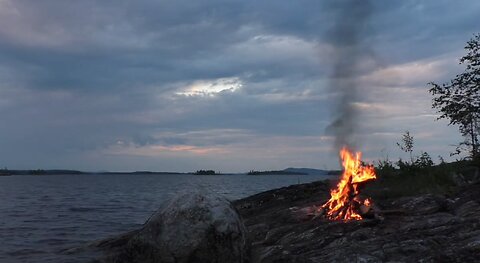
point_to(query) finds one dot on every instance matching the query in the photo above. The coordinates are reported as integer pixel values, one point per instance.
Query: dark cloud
(98, 84)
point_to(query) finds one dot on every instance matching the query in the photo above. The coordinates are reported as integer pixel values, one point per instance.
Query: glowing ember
(345, 203)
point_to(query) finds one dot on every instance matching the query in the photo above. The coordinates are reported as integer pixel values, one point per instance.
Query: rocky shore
(424, 228)
(280, 226)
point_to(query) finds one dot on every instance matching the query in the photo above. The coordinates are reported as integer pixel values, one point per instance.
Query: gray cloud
(95, 85)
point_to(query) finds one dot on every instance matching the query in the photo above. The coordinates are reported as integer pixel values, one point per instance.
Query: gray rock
(424, 228)
(205, 228)
(469, 208)
(425, 204)
(192, 227)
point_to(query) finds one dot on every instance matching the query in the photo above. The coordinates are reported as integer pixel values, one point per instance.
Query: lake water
(41, 215)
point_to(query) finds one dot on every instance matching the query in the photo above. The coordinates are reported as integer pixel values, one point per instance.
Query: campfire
(345, 202)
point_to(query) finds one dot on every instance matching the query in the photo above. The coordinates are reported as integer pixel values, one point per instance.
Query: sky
(224, 85)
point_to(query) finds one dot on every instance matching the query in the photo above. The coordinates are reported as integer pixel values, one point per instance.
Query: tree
(424, 161)
(407, 144)
(459, 100)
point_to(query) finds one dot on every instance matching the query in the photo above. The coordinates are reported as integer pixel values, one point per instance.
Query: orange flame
(344, 199)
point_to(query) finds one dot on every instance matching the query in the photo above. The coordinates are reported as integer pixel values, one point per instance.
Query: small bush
(412, 178)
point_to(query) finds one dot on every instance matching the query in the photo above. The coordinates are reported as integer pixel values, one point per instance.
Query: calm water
(41, 215)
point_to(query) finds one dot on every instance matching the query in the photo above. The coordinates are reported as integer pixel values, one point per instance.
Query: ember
(345, 202)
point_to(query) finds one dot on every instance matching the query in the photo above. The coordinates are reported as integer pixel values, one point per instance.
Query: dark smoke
(350, 25)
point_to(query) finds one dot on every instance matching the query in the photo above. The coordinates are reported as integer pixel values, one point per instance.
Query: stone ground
(424, 228)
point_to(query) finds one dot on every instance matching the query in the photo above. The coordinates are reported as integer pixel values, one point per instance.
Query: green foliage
(384, 167)
(406, 144)
(423, 161)
(440, 158)
(435, 179)
(459, 100)
(406, 178)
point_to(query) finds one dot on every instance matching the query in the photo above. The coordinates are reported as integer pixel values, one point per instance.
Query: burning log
(345, 202)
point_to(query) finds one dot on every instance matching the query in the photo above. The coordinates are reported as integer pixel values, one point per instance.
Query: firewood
(364, 210)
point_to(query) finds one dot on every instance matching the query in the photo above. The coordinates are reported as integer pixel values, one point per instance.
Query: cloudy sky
(225, 85)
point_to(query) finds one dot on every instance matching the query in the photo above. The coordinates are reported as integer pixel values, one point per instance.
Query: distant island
(205, 172)
(39, 172)
(138, 172)
(274, 172)
(5, 172)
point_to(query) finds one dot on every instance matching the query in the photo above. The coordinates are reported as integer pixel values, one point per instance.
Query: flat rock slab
(425, 228)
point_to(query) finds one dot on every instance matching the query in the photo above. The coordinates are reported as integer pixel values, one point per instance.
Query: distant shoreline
(288, 171)
(275, 173)
(6, 172)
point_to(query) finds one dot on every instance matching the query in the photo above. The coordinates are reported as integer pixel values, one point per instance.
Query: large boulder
(191, 227)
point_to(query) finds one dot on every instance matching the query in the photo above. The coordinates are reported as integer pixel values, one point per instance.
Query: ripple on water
(25, 252)
(82, 209)
(39, 217)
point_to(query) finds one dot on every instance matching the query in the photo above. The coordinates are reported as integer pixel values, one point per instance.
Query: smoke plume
(350, 24)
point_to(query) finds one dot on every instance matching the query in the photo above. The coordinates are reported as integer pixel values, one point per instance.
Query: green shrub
(406, 179)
